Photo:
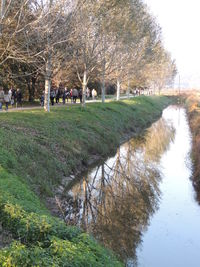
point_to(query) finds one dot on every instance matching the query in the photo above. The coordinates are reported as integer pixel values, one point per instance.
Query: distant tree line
(103, 43)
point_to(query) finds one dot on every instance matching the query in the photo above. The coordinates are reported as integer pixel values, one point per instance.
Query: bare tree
(101, 41)
(85, 44)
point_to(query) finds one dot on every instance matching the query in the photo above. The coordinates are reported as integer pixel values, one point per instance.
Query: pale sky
(180, 23)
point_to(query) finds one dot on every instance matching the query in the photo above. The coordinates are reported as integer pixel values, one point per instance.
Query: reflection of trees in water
(158, 139)
(115, 200)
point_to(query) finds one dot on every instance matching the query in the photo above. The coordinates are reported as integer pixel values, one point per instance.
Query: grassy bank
(193, 110)
(43, 148)
(38, 151)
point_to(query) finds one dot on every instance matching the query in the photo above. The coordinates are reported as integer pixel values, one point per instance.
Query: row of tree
(76, 42)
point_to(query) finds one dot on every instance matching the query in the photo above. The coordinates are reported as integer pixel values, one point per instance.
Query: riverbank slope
(193, 111)
(38, 152)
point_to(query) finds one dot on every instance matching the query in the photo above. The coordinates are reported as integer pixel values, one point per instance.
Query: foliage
(42, 239)
(60, 253)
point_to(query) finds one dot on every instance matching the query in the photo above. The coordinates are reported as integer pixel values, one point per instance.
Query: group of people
(14, 96)
(92, 93)
(142, 91)
(11, 96)
(66, 95)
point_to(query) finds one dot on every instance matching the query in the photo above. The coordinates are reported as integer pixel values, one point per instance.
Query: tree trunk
(47, 85)
(2, 12)
(48, 68)
(33, 82)
(118, 89)
(103, 87)
(31, 88)
(154, 88)
(128, 89)
(84, 84)
(103, 74)
(3, 3)
(103, 190)
(28, 82)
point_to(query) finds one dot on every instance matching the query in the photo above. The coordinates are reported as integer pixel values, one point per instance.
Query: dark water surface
(141, 203)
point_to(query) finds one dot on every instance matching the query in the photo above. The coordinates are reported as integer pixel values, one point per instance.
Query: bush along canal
(39, 151)
(140, 203)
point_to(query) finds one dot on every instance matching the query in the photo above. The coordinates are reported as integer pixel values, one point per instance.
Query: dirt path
(57, 105)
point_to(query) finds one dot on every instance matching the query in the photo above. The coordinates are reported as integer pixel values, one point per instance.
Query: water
(141, 203)
(173, 238)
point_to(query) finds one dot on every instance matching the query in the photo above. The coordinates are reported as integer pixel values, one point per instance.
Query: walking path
(61, 105)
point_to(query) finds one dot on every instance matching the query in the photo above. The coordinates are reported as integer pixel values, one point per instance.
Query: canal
(140, 202)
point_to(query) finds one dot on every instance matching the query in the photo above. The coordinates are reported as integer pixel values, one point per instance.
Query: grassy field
(37, 151)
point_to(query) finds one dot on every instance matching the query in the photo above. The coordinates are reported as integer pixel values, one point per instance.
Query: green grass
(43, 148)
(36, 151)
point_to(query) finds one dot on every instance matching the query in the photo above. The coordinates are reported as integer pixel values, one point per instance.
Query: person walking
(42, 99)
(58, 93)
(10, 92)
(71, 95)
(7, 99)
(75, 95)
(18, 98)
(94, 94)
(52, 96)
(80, 95)
(67, 92)
(64, 96)
(87, 93)
(1, 98)
(12, 98)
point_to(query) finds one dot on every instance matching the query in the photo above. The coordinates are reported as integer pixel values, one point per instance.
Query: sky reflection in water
(173, 237)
